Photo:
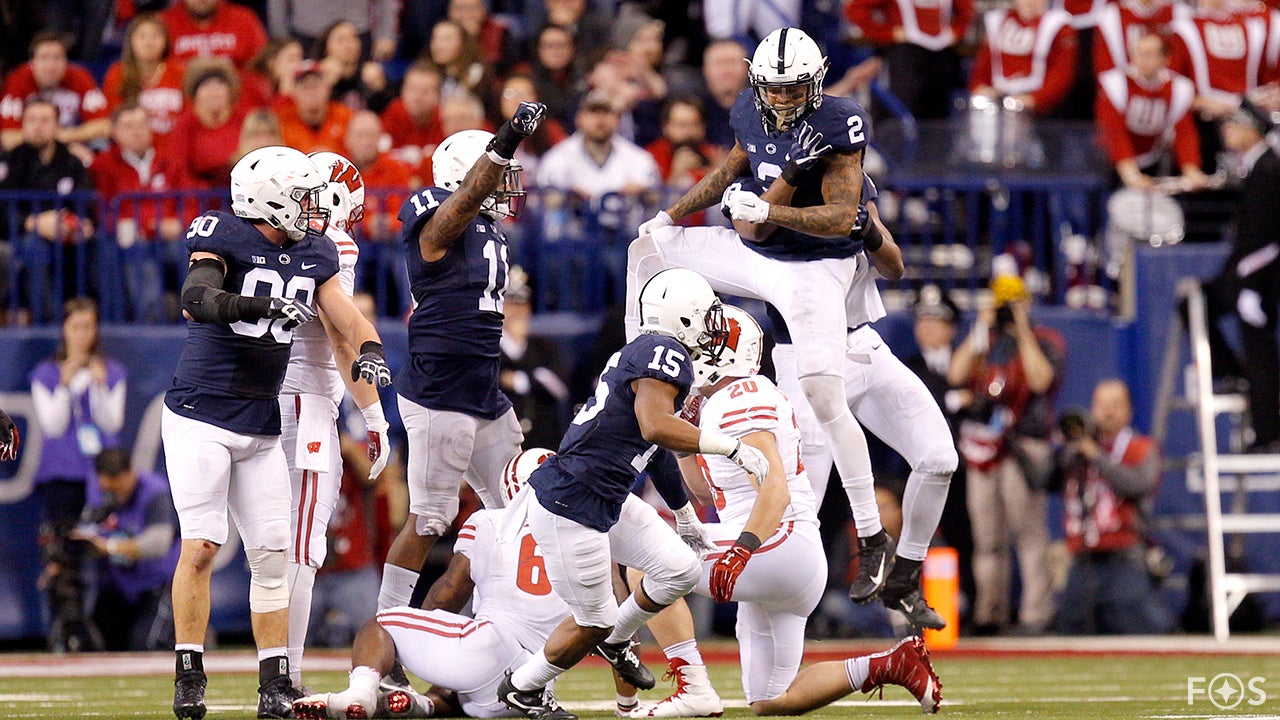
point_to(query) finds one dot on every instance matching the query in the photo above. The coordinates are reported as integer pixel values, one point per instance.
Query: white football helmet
(786, 63)
(519, 468)
(741, 354)
(344, 194)
(280, 186)
(453, 159)
(679, 303)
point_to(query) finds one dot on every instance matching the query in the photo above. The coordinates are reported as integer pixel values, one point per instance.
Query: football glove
(725, 572)
(692, 532)
(9, 439)
(379, 443)
(804, 153)
(522, 124)
(371, 366)
(661, 220)
(747, 207)
(291, 309)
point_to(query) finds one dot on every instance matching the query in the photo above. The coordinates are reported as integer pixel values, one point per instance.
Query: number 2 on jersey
(531, 572)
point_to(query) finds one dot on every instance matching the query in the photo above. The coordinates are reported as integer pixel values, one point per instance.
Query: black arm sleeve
(665, 473)
(205, 300)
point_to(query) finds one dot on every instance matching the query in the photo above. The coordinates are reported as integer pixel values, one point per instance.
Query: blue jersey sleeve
(744, 120)
(869, 192)
(843, 123)
(212, 233)
(419, 208)
(658, 357)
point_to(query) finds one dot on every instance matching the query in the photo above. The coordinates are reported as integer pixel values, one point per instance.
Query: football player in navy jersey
(579, 506)
(255, 275)
(459, 423)
(797, 240)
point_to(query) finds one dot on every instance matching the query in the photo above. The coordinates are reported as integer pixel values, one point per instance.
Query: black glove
(8, 438)
(866, 230)
(371, 366)
(521, 125)
(291, 309)
(804, 153)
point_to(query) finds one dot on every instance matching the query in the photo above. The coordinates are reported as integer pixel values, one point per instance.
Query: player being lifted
(769, 556)
(465, 658)
(459, 423)
(309, 399)
(255, 275)
(807, 149)
(578, 502)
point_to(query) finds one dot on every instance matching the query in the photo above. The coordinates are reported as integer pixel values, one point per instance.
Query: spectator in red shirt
(82, 109)
(498, 49)
(132, 164)
(213, 28)
(148, 75)
(271, 72)
(207, 133)
(1029, 55)
(1145, 112)
(413, 119)
(310, 120)
(357, 83)
(683, 154)
(918, 40)
(381, 173)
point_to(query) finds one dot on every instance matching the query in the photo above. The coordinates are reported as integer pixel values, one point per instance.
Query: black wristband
(505, 142)
(791, 174)
(749, 541)
(251, 308)
(872, 240)
(372, 346)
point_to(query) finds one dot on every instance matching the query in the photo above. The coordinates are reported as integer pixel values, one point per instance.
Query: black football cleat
(275, 698)
(622, 656)
(188, 694)
(533, 704)
(875, 558)
(901, 592)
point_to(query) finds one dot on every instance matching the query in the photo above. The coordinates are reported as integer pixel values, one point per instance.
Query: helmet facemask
(508, 200)
(314, 217)
(711, 342)
(782, 105)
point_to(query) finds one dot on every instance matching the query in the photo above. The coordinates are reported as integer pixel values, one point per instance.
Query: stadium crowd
(637, 102)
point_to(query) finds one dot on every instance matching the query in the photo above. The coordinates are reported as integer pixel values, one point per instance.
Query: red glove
(725, 572)
(692, 409)
(9, 439)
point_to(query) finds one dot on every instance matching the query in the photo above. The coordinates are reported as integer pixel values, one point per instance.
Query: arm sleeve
(1131, 481)
(1186, 141)
(1112, 130)
(466, 542)
(52, 406)
(665, 473)
(206, 301)
(106, 403)
(981, 74)
(154, 541)
(1061, 72)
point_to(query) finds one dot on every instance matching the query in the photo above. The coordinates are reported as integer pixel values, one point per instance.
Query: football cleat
(906, 664)
(875, 558)
(188, 694)
(535, 704)
(395, 680)
(403, 704)
(348, 704)
(694, 696)
(275, 698)
(622, 656)
(901, 592)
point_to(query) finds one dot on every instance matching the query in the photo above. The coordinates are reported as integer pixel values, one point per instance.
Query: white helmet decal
(344, 195)
(742, 350)
(516, 474)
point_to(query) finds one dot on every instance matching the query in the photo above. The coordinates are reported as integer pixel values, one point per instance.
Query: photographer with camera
(1010, 369)
(1110, 476)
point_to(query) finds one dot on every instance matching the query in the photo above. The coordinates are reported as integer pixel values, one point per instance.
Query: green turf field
(1093, 687)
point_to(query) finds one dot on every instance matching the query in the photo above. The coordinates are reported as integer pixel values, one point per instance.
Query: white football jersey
(512, 587)
(862, 304)
(743, 407)
(311, 367)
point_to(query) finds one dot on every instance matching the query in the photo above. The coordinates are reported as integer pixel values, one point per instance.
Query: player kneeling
(770, 558)
(515, 612)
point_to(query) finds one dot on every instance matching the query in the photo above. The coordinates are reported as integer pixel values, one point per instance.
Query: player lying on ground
(770, 559)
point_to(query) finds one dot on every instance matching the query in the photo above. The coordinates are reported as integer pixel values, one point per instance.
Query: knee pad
(268, 580)
(940, 459)
(825, 394)
(432, 524)
(675, 584)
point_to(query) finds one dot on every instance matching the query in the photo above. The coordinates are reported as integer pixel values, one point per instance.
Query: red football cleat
(906, 664)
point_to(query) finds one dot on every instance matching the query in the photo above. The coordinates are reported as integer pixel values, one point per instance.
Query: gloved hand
(752, 460)
(522, 124)
(379, 443)
(662, 219)
(804, 154)
(747, 207)
(692, 532)
(298, 313)
(725, 572)
(692, 408)
(371, 366)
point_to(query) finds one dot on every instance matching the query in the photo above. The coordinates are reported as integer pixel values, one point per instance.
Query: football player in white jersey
(309, 399)
(770, 558)
(893, 402)
(464, 658)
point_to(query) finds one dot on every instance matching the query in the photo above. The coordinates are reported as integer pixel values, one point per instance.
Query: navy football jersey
(229, 375)
(456, 327)
(781, 333)
(588, 479)
(843, 124)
